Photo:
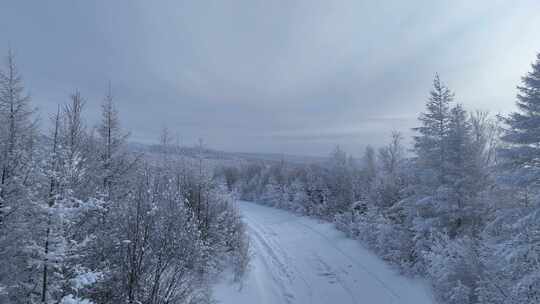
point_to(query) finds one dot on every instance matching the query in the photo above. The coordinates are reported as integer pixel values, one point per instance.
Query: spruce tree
(430, 143)
(520, 158)
(521, 154)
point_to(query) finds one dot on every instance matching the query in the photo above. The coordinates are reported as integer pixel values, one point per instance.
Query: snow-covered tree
(369, 165)
(391, 181)
(60, 250)
(17, 175)
(83, 220)
(511, 237)
(339, 182)
(430, 145)
(450, 177)
(111, 141)
(522, 134)
(17, 136)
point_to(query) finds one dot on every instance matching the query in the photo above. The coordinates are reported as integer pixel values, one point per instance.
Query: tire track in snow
(329, 272)
(393, 294)
(269, 256)
(383, 284)
(272, 236)
(299, 261)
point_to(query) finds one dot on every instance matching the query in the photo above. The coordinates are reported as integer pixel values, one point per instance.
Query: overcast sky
(294, 77)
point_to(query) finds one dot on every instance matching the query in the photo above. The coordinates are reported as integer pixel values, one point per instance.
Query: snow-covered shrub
(453, 269)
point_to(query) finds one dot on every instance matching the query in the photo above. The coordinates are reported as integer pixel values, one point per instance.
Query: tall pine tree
(430, 144)
(520, 157)
(522, 135)
(17, 174)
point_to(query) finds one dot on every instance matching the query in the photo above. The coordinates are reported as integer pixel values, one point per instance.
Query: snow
(301, 260)
(85, 278)
(70, 299)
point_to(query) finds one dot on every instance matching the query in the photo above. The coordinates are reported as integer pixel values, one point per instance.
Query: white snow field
(302, 260)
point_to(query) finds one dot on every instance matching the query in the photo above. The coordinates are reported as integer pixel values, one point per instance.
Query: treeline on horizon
(463, 211)
(84, 220)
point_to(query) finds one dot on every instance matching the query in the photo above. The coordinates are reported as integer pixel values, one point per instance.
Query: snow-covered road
(301, 260)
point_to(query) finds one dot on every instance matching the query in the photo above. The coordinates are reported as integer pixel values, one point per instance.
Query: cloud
(272, 76)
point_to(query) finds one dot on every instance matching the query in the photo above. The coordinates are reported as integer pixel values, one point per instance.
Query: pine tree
(448, 170)
(522, 135)
(459, 167)
(514, 231)
(430, 145)
(17, 131)
(17, 175)
(430, 207)
(112, 140)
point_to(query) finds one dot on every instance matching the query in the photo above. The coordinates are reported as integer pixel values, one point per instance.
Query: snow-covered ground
(301, 260)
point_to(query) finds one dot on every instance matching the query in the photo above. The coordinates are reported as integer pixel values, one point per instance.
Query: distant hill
(217, 155)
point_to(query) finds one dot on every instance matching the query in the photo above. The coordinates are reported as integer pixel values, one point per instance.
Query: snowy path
(300, 260)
